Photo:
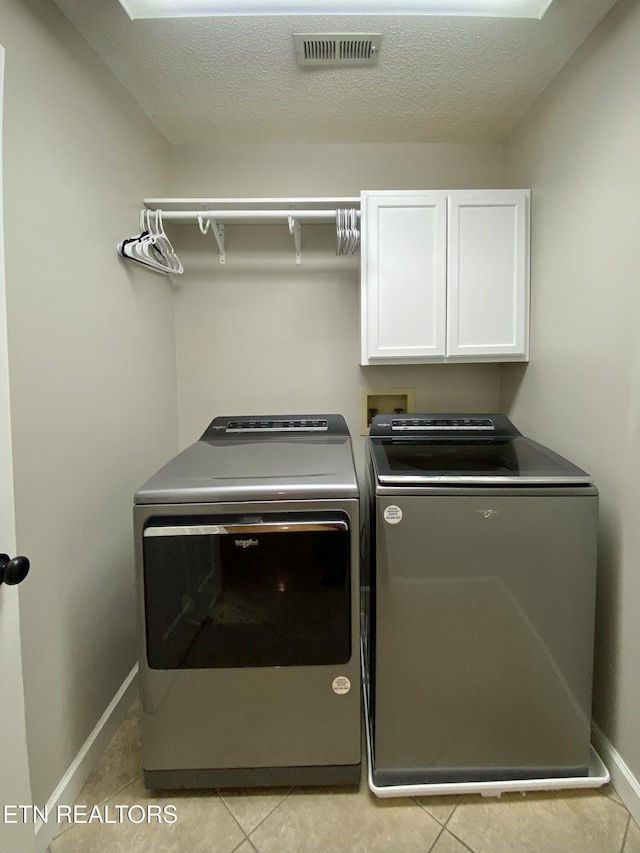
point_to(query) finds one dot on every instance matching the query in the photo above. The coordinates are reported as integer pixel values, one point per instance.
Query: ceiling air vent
(357, 49)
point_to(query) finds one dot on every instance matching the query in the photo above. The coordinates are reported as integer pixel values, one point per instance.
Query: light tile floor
(340, 820)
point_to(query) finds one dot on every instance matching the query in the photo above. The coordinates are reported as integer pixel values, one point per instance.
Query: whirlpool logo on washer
(487, 513)
(246, 543)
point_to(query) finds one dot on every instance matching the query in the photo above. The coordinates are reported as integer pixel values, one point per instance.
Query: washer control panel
(448, 424)
(457, 426)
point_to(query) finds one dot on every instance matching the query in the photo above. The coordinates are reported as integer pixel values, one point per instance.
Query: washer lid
(515, 461)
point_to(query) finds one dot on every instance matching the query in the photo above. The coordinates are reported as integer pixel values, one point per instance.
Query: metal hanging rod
(253, 203)
(211, 214)
(229, 216)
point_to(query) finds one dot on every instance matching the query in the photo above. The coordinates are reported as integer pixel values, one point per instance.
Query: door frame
(15, 787)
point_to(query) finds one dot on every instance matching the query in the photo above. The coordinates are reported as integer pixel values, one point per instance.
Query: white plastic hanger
(152, 248)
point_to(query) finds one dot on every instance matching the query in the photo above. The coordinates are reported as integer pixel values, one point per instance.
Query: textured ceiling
(235, 79)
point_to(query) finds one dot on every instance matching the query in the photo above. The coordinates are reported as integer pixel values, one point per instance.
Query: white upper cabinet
(487, 274)
(404, 262)
(445, 276)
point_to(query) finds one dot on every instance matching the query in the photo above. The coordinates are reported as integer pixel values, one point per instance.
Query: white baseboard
(622, 778)
(71, 783)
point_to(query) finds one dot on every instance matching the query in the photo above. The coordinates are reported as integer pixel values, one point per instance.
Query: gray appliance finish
(479, 617)
(247, 560)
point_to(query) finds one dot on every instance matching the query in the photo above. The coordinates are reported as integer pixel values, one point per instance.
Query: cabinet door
(488, 275)
(403, 276)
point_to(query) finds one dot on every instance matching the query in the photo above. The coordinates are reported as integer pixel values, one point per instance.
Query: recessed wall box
(384, 401)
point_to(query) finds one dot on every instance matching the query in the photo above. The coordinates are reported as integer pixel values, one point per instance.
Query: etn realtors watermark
(148, 813)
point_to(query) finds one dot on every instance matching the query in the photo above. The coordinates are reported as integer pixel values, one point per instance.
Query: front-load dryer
(247, 559)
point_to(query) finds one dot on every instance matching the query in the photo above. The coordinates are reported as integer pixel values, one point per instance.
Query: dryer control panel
(265, 426)
(289, 425)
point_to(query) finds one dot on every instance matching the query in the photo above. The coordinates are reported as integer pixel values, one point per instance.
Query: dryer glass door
(232, 592)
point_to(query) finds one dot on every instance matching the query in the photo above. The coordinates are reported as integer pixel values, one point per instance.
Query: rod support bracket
(295, 229)
(217, 229)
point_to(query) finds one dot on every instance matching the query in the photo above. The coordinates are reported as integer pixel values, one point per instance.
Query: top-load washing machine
(480, 621)
(247, 574)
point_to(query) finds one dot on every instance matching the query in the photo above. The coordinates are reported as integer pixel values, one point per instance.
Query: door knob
(13, 571)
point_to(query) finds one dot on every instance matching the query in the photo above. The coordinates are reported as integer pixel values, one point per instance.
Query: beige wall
(279, 170)
(578, 150)
(92, 370)
(262, 335)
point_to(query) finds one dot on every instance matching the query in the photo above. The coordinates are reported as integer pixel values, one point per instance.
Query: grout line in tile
(121, 788)
(453, 810)
(244, 840)
(435, 840)
(616, 801)
(62, 828)
(442, 823)
(269, 813)
(462, 841)
(69, 826)
(626, 832)
(228, 808)
(261, 821)
(425, 809)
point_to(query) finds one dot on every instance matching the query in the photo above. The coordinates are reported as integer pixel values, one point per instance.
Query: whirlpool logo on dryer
(246, 543)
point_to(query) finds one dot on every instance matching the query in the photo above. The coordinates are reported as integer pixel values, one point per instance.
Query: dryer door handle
(318, 526)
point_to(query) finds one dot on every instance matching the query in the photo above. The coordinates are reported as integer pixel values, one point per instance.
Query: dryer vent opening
(345, 49)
